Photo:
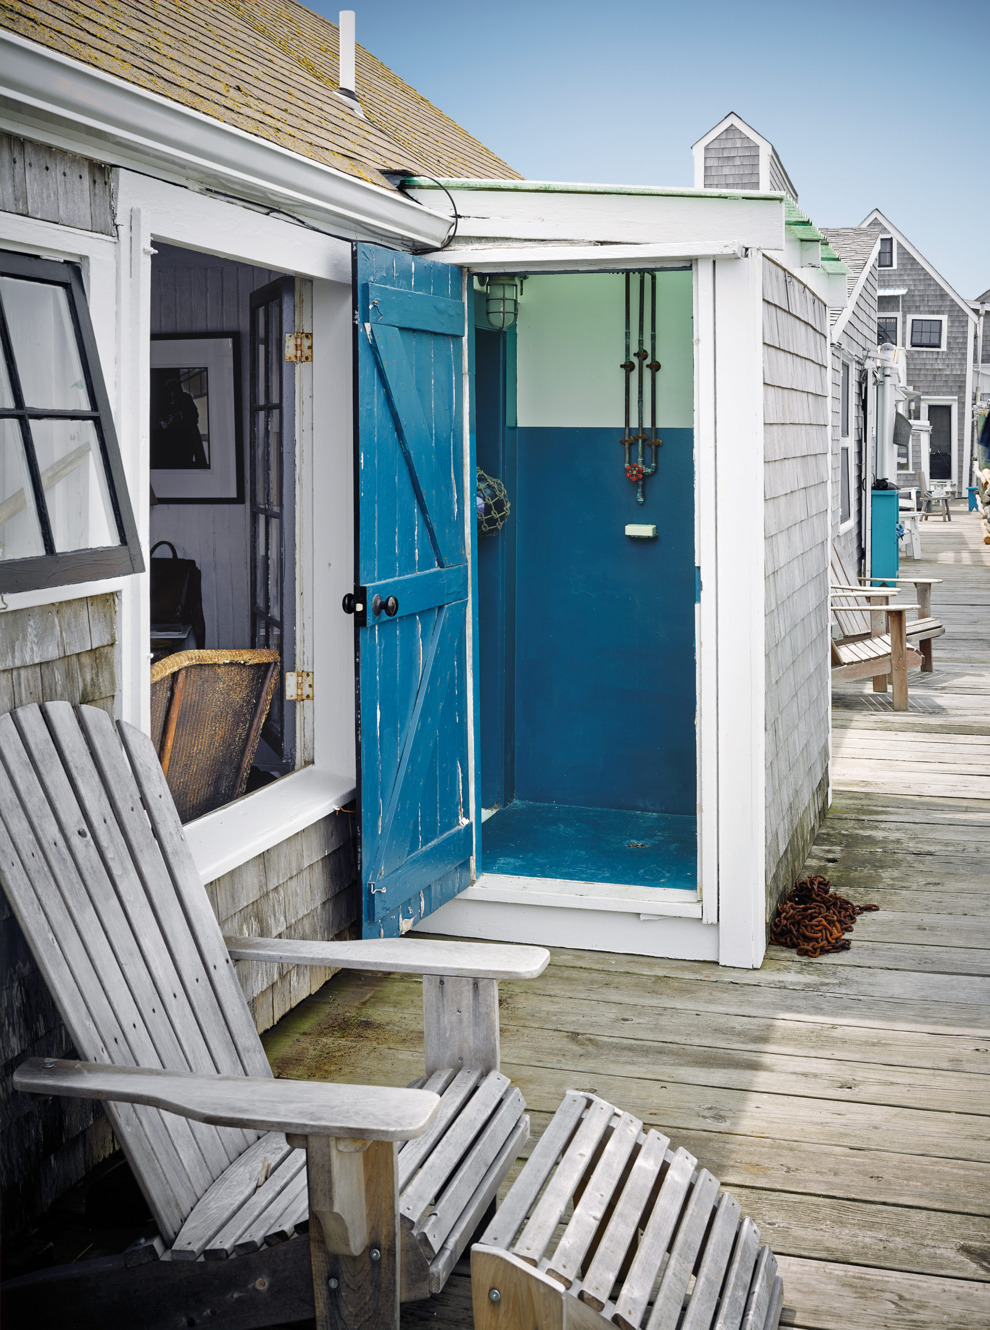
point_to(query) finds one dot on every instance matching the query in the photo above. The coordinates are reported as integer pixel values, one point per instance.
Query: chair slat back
(103, 885)
(852, 619)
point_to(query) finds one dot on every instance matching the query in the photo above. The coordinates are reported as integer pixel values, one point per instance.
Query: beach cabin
(520, 489)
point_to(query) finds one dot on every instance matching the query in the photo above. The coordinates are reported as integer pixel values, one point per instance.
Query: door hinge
(299, 686)
(299, 347)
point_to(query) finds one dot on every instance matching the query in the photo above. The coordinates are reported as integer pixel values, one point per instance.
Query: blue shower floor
(591, 845)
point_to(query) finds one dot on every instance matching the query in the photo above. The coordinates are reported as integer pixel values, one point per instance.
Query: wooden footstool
(607, 1226)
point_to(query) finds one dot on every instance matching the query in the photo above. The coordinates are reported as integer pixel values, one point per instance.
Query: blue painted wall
(605, 672)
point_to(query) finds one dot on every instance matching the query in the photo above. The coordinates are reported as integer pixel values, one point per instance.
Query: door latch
(356, 602)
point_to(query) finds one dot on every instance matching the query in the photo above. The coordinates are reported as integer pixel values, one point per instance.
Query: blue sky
(869, 104)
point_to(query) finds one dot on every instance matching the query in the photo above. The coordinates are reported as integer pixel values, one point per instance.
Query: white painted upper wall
(617, 216)
(570, 345)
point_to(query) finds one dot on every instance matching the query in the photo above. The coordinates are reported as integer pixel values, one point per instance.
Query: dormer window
(885, 259)
(64, 511)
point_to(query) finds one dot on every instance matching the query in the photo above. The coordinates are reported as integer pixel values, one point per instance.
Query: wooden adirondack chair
(600, 1210)
(234, 1164)
(919, 632)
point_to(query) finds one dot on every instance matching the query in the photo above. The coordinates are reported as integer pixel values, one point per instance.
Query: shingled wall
(796, 475)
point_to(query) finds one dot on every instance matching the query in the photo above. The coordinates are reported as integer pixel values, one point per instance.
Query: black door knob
(390, 606)
(347, 604)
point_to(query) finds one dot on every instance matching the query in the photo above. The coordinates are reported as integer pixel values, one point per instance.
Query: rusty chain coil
(813, 921)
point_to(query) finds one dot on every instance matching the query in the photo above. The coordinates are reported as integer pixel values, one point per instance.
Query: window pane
(6, 393)
(885, 259)
(926, 332)
(844, 411)
(20, 531)
(74, 482)
(45, 348)
(274, 460)
(275, 568)
(886, 330)
(845, 499)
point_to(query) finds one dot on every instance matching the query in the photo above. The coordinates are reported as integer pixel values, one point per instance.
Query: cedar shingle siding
(732, 161)
(931, 373)
(796, 463)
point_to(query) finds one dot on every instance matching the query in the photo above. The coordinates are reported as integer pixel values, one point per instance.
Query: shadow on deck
(845, 1101)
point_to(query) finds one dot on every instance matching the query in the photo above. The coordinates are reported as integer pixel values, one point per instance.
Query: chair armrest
(866, 592)
(472, 960)
(304, 1108)
(911, 581)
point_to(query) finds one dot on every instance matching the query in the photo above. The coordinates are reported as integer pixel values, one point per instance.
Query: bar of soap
(641, 530)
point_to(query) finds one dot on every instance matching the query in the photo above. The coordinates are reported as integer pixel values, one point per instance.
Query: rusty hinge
(299, 686)
(299, 347)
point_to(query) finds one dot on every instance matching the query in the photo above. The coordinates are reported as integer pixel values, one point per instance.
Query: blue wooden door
(411, 590)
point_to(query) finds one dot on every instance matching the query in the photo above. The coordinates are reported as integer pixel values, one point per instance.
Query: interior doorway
(587, 595)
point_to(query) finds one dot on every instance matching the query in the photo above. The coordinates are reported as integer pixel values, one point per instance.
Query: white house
(603, 726)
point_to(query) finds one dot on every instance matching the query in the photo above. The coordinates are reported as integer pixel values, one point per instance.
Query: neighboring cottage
(934, 329)
(854, 346)
(288, 368)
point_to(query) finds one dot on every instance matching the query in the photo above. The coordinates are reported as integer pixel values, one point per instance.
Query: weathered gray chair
(607, 1226)
(854, 622)
(235, 1165)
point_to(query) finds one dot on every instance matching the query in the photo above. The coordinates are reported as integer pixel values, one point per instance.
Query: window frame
(940, 319)
(892, 265)
(845, 399)
(93, 563)
(886, 314)
(845, 470)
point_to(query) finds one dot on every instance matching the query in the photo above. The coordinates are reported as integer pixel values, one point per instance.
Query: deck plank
(846, 1100)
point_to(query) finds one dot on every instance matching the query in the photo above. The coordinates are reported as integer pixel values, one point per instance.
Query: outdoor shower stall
(584, 410)
(591, 590)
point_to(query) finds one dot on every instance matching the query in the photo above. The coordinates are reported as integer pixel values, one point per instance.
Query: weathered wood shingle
(796, 452)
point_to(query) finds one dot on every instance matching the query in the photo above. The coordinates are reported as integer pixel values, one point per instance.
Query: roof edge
(876, 215)
(470, 183)
(152, 129)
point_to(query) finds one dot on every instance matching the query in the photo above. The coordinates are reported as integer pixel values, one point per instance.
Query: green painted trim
(559, 187)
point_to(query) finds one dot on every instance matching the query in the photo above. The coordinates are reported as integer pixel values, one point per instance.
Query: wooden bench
(607, 1226)
(237, 1167)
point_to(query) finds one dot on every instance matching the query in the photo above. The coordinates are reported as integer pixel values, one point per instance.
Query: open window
(65, 516)
(223, 567)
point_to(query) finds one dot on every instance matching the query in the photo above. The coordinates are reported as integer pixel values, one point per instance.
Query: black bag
(176, 593)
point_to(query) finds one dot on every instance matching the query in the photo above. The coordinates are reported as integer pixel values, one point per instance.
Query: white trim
(561, 893)
(230, 836)
(852, 298)
(845, 382)
(583, 258)
(706, 611)
(606, 930)
(909, 319)
(877, 216)
(953, 404)
(103, 115)
(742, 613)
(845, 463)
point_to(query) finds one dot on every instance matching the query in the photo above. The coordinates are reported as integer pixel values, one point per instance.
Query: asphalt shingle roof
(268, 67)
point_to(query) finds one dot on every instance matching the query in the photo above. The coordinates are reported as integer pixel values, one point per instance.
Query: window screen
(885, 259)
(887, 329)
(844, 409)
(64, 510)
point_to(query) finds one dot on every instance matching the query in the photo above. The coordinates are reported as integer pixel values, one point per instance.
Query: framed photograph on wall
(195, 449)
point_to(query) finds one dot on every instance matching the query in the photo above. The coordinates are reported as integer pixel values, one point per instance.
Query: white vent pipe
(346, 79)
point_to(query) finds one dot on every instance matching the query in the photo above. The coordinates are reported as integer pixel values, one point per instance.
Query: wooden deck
(845, 1101)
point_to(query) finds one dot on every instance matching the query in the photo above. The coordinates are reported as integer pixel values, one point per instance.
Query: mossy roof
(268, 67)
